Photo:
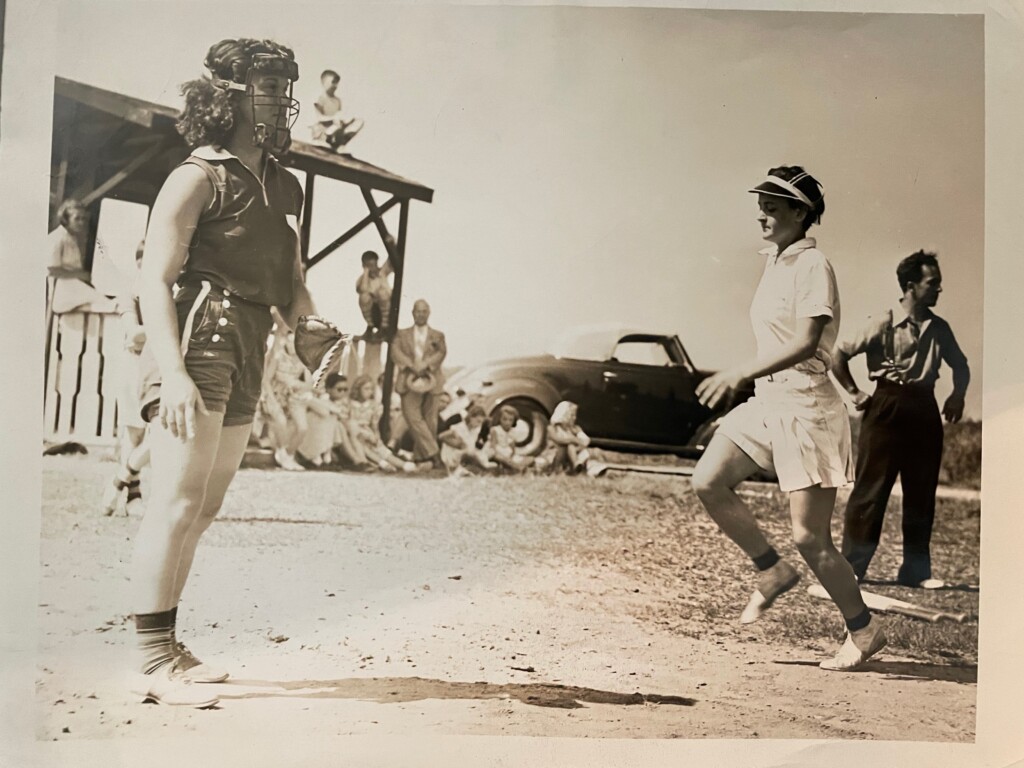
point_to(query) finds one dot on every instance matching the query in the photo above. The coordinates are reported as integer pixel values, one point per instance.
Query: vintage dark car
(635, 390)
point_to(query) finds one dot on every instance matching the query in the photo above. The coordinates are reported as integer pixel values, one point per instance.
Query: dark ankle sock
(154, 633)
(125, 477)
(134, 490)
(859, 621)
(767, 560)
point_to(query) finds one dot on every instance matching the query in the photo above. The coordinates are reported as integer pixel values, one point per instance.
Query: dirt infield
(372, 605)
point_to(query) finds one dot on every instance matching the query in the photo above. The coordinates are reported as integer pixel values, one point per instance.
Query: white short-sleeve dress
(796, 424)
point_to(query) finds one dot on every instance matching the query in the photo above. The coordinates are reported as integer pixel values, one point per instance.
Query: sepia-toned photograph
(551, 373)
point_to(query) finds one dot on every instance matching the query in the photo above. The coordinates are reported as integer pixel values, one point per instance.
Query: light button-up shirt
(797, 283)
(902, 350)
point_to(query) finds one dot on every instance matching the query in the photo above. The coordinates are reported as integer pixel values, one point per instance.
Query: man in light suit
(418, 353)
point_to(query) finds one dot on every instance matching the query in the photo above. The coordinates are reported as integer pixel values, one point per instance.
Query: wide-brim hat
(421, 383)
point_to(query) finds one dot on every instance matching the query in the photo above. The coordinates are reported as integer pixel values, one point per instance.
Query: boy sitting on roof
(330, 130)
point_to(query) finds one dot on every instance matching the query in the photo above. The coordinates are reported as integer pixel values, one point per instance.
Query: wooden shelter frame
(110, 145)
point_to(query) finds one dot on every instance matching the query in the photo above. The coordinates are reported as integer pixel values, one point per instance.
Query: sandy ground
(371, 605)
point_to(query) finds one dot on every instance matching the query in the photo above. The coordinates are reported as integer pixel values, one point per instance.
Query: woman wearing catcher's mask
(220, 231)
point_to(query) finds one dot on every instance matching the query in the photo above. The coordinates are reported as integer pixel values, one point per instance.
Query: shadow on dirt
(404, 689)
(912, 670)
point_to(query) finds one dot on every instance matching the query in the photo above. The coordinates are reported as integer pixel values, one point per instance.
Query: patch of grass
(961, 454)
(698, 581)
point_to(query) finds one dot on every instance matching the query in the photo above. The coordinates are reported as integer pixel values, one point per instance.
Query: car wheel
(533, 417)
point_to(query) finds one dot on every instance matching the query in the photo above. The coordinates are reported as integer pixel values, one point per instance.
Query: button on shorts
(223, 343)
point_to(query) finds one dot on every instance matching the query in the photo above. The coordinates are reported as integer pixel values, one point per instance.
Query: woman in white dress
(796, 425)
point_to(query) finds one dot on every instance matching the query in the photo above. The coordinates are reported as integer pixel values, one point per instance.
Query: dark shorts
(224, 342)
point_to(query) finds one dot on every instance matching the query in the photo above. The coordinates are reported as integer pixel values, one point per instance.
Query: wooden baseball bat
(879, 602)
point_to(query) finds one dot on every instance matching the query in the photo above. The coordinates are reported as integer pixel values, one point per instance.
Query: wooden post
(88, 398)
(307, 218)
(60, 181)
(396, 300)
(352, 232)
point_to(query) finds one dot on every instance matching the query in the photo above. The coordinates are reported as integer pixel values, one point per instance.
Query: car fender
(521, 389)
(703, 434)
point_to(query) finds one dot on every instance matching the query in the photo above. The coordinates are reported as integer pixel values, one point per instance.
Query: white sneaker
(859, 646)
(281, 458)
(409, 467)
(195, 670)
(596, 468)
(287, 461)
(780, 578)
(167, 685)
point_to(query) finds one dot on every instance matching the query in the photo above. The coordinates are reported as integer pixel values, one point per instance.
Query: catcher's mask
(273, 134)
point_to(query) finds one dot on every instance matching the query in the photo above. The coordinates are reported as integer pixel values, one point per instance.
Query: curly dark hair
(809, 186)
(210, 110)
(910, 270)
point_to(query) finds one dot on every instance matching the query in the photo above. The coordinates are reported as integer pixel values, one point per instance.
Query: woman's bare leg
(351, 448)
(811, 512)
(177, 495)
(299, 425)
(230, 451)
(723, 467)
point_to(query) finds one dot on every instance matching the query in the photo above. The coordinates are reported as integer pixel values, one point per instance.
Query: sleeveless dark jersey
(243, 242)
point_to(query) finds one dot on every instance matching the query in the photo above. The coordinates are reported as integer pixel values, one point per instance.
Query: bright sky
(591, 164)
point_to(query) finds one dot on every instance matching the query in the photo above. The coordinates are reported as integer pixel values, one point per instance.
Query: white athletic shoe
(780, 578)
(195, 670)
(287, 461)
(167, 685)
(859, 646)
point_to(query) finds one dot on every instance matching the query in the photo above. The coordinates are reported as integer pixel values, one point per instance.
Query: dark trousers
(901, 434)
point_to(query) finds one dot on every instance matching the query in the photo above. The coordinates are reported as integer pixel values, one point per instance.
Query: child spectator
(501, 444)
(374, 296)
(567, 448)
(363, 426)
(328, 441)
(330, 130)
(134, 450)
(286, 399)
(459, 446)
(445, 419)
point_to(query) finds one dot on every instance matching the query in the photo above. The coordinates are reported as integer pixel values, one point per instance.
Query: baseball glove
(321, 347)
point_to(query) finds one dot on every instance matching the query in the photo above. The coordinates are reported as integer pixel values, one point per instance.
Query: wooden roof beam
(124, 173)
(352, 232)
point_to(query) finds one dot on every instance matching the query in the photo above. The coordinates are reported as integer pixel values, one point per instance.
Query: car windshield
(642, 352)
(588, 343)
(601, 343)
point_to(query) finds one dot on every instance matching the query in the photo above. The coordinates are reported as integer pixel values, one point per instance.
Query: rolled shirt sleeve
(816, 293)
(866, 336)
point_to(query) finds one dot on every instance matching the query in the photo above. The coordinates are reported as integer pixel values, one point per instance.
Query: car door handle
(610, 375)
